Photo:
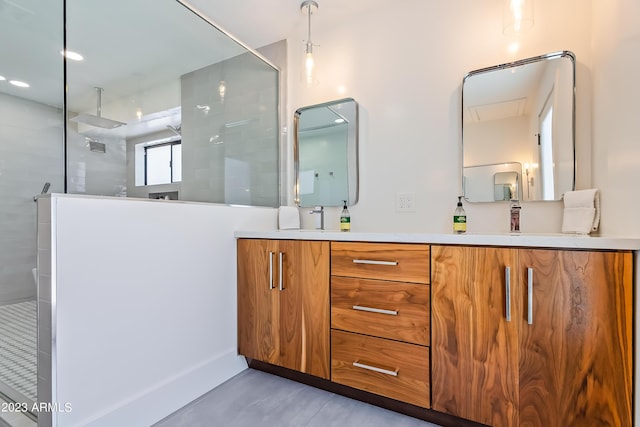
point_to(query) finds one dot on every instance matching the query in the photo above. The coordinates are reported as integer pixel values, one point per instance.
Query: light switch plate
(405, 202)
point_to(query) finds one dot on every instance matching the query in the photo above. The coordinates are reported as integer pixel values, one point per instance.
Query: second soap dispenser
(345, 218)
(459, 218)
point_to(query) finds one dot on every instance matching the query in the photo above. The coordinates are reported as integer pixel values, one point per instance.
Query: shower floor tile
(18, 352)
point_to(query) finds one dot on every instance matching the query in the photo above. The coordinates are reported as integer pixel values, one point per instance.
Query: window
(545, 145)
(163, 163)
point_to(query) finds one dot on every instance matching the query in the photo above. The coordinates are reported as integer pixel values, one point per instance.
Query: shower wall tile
(231, 154)
(44, 239)
(44, 210)
(45, 308)
(31, 154)
(98, 174)
(44, 287)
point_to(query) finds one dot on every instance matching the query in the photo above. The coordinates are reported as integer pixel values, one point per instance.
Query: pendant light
(517, 16)
(309, 72)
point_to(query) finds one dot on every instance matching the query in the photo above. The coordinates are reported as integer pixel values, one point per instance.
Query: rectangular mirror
(520, 117)
(159, 107)
(326, 153)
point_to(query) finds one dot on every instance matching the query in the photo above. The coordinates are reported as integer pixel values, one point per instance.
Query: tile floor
(18, 336)
(254, 398)
(14, 419)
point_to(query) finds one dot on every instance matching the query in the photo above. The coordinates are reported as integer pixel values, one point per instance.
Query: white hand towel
(581, 211)
(288, 218)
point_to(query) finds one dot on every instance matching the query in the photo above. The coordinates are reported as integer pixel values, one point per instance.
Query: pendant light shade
(517, 16)
(309, 60)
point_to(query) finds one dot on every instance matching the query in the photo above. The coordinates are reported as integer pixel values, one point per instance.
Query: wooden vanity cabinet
(283, 303)
(532, 337)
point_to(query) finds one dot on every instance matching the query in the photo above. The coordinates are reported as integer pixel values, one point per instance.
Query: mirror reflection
(505, 186)
(519, 118)
(167, 106)
(325, 151)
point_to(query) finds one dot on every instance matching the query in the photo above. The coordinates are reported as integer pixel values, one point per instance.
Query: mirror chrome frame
(353, 173)
(508, 65)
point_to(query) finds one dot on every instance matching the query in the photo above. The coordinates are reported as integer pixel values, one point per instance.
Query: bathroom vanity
(499, 330)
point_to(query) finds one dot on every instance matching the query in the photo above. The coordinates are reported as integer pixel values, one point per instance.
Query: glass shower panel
(31, 155)
(158, 74)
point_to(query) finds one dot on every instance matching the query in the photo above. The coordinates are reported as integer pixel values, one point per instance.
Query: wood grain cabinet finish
(532, 337)
(403, 262)
(389, 368)
(394, 310)
(380, 319)
(283, 303)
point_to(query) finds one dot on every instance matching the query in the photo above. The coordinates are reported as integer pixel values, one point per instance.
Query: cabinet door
(304, 306)
(258, 300)
(474, 367)
(576, 356)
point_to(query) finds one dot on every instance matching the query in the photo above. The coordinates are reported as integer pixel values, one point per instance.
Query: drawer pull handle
(530, 296)
(281, 282)
(373, 368)
(375, 310)
(270, 270)
(374, 262)
(507, 279)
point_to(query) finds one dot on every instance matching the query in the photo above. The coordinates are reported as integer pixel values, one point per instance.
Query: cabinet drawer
(395, 310)
(388, 368)
(403, 262)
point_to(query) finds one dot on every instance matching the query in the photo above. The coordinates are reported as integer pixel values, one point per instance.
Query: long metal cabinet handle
(374, 262)
(375, 310)
(507, 280)
(270, 270)
(281, 283)
(530, 296)
(375, 369)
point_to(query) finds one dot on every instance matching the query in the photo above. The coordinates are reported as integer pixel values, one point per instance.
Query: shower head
(97, 120)
(95, 145)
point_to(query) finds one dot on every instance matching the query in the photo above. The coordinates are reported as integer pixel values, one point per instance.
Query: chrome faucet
(320, 218)
(515, 216)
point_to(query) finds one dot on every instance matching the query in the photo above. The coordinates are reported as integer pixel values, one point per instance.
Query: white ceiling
(261, 22)
(133, 46)
(127, 42)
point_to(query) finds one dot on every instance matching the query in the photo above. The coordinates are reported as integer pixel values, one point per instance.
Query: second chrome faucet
(319, 211)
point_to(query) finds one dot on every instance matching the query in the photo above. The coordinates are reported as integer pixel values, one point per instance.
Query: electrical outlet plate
(405, 202)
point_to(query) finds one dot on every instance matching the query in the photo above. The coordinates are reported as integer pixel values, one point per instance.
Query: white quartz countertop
(515, 240)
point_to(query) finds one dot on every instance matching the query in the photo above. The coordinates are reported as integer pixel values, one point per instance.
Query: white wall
(144, 304)
(404, 64)
(616, 109)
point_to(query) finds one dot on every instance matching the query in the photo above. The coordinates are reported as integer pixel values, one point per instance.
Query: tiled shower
(230, 141)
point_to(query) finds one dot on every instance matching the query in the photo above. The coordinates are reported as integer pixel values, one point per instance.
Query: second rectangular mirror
(326, 153)
(520, 115)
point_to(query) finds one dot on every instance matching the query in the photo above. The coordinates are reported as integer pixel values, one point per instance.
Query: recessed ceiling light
(19, 83)
(339, 120)
(69, 54)
(2, 78)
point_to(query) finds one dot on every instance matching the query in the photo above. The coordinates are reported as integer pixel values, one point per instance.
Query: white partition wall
(143, 305)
